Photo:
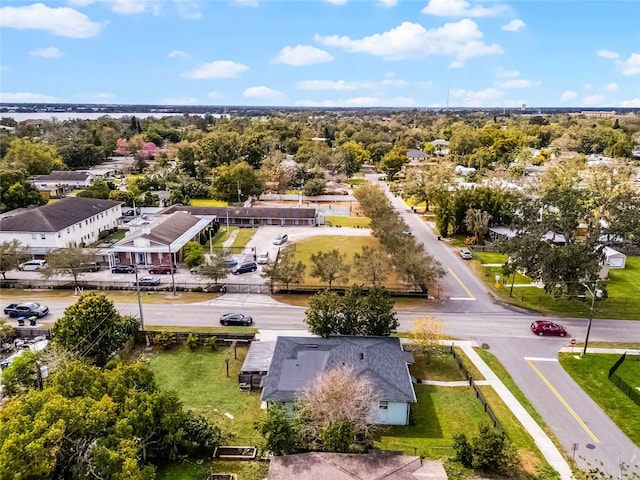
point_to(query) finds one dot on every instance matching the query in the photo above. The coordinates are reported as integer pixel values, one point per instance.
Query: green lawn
(74, 193)
(200, 379)
(362, 222)
(208, 202)
(241, 239)
(591, 373)
(188, 470)
(625, 283)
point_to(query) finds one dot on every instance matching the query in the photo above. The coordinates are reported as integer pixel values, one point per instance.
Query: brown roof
(56, 216)
(164, 230)
(63, 175)
(242, 212)
(344, 466)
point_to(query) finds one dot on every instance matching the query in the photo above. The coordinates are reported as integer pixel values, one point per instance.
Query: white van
(32, 265)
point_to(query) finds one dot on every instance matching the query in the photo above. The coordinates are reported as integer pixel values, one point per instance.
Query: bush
(489, 451)
(192, 340)
(211, 344)
(165, 338)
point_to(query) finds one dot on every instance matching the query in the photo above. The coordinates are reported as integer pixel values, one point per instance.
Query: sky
(322, 53)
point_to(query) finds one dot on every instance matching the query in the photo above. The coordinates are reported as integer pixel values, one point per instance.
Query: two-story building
(72, 220)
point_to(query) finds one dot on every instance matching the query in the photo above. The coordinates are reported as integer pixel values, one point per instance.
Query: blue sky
(322, 53)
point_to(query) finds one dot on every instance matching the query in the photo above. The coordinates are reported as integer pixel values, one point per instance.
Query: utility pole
(239, 194)
(593, 300)
(135, 265)
(171, 265)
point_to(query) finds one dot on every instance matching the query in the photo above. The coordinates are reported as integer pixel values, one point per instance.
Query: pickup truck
(29, 309)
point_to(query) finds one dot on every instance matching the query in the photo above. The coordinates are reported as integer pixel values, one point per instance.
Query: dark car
(544, 327)
(123, 268)
(236, 319)
(162, 269)
(28, 309)
(149, 281)
(244, 267)
(90, 267)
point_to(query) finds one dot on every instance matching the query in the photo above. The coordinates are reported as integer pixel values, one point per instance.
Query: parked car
(90, 267)
(32, 265)
(162, 269)
(407, 232)
(123, 268)
(149, 281)
(281, 239)
(236, 319)
(544, 327)
(263, 257)
(244, 267)
(465, 254)
(28, 309)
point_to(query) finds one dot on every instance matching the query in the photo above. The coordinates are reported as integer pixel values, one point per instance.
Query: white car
(263, 258)
(465, 253)
(281, 239)
(32, 265)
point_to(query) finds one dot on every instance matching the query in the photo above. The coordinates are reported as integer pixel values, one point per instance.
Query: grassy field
(116, 296)
(208, 202)
(201, 380)
(241, 238)
(591, 373)
(192, 471)
(362, 222)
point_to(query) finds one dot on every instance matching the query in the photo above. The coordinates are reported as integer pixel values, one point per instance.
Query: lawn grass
(356, 181)
(629, 371)
(149, 297)
(442, 368)
(199, 377)
(74, 193)
(591, 373)
(189, 470)
(181, 328)
(358, 222)
(241, 238)
(208, 202)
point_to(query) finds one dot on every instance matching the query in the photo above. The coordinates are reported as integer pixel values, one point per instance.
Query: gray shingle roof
(165, 230)
(242, 212)
(297, 361)
(56, 216)
(63, 175)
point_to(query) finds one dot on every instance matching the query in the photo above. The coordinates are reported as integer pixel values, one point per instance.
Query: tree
(17, 191)
(234, 182)
(71, 260)
(477, 222)
(12, 254)
(351, 156)
(280, 431)
(393, 162)
(21, 375)
(323, 314)
(193, 254)
(426, 336)
(314, 187)
(92, 328)
(284, 269)
(335, 410)
(32, 157)
(378, 314)
(488, 451)
(371, 265)
(217, 267)
(329, 266)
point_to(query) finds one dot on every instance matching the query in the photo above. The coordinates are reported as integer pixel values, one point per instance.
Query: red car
(543, 327)
(161, 269)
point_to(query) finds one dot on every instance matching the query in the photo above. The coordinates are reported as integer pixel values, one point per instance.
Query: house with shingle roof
(297, 361)
(160, 242)
(73, 220)
(254, 216)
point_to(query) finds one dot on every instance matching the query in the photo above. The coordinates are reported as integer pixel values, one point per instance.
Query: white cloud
(178, 53)
(129, 7)
(215, 95)
(518, 83)
(412, 40)
(394, 82)
(217, 69)
(63, 21)
(592, 100)
(49, 52)
(514, 25)
(337, 2)
(80, 3)
(360, 102)
(587, 86)
(263, 92)
(105, 96)
(338, 86)
(631, 66)
(476, 98)
(302, 55)
(247, 3)
(188, 10)
(179, 101)
(388, 3)
(610, 87)
(456, 64)
(568, 95)
(633, 103)
(101, 97)
(502, 72)
(608, 54)
(461, 8)
(27, 97)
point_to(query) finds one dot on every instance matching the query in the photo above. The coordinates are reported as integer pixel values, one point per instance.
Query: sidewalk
(543, 442)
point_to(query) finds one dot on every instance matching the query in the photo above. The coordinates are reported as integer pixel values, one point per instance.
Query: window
(34, 236)
(383, 405)
(43, 236)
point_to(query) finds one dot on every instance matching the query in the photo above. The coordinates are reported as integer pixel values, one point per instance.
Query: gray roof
(164, 230)
(415, 153)
(63, 175)
(56, 216)
(258, 357)
(297, 361)
(242, 212)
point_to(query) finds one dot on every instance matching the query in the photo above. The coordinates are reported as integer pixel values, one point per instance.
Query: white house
(296, 361)
(614, 258)
(62, 178)
(72, 220)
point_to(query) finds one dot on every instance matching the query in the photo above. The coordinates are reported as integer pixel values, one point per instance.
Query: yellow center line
(461, 284)
(564, 402)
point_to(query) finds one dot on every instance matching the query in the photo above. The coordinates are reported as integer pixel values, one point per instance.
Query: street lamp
(593, 294)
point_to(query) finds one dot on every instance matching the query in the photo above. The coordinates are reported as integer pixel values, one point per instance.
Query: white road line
(540, 359)
(461, 298)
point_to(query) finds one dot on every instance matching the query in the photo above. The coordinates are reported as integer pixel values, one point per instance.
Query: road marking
(564, 402)
(541, 359)
(462, 285)
(462, 298)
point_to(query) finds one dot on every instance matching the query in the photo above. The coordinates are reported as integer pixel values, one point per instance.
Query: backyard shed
(614, 258)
